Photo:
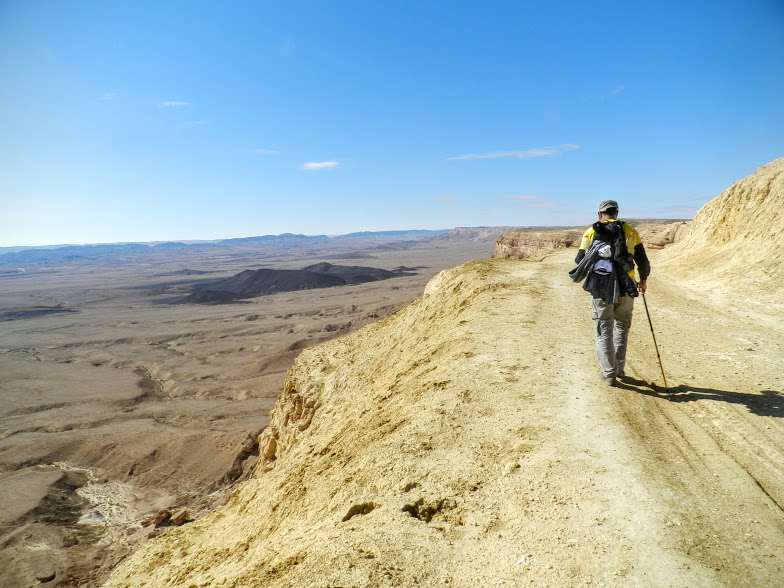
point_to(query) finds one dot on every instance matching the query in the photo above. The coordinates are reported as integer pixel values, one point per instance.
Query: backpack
(613, 254)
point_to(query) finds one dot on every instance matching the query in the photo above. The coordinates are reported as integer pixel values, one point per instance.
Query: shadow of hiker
(766, 403)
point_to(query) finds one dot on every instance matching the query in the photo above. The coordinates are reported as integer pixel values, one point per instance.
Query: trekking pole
(655, 345)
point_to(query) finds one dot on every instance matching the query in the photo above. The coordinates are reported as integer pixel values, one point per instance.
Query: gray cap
(607, 204)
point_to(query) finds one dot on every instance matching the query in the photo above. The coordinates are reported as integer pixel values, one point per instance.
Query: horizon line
(154, 242)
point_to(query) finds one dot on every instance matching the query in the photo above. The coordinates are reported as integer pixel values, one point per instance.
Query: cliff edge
(468, 440)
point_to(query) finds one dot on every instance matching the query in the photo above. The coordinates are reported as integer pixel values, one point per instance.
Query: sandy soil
(123, 405)
(469, 441)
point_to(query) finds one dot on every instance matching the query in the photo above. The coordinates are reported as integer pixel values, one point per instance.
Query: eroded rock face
(739, 234)
(659, 235)
(292, 415)
(534, 245)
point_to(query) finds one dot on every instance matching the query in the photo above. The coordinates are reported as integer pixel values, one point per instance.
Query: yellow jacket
(632, 240)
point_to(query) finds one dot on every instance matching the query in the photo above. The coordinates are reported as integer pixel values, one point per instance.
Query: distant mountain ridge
(20, 256)
(274, 238)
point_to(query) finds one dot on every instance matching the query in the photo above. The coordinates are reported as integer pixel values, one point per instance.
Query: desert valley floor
(115, 403)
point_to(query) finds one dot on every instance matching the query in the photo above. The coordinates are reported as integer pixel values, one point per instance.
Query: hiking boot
(610, 381)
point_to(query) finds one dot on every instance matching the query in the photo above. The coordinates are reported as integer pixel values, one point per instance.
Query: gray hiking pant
(613, 322)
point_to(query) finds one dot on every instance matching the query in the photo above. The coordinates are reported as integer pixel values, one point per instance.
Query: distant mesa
(252, 283)
(282, 238)
(171, 245)
(351, 274)
(487, 234)
(405, 234)
(265, 281)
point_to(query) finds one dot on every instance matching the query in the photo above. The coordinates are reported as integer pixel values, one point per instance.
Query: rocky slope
(739, 235)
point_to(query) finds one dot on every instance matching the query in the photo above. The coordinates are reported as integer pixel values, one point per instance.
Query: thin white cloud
(314, 165)
(108, 96)
(615, 90)
(192, 124)
(521, 154)
(174, 103)
(266, 151)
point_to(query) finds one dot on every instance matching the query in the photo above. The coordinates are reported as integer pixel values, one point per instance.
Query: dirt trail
(710, 453)
(469, 441)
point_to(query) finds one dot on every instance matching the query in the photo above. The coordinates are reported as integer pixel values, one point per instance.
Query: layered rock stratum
(535, 245)
(467, 440)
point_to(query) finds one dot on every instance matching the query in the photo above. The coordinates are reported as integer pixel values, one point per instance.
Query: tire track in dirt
(711, 457)
(641, 545)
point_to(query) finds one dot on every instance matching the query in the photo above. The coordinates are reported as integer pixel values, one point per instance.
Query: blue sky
(141, 121)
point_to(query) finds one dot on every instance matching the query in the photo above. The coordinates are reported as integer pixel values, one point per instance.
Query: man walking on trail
(606, 260)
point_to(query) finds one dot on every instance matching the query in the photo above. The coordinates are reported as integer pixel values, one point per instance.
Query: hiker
(606, 258)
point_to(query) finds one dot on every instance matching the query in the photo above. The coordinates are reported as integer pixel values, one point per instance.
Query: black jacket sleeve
(641, 259)
(580, 255)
